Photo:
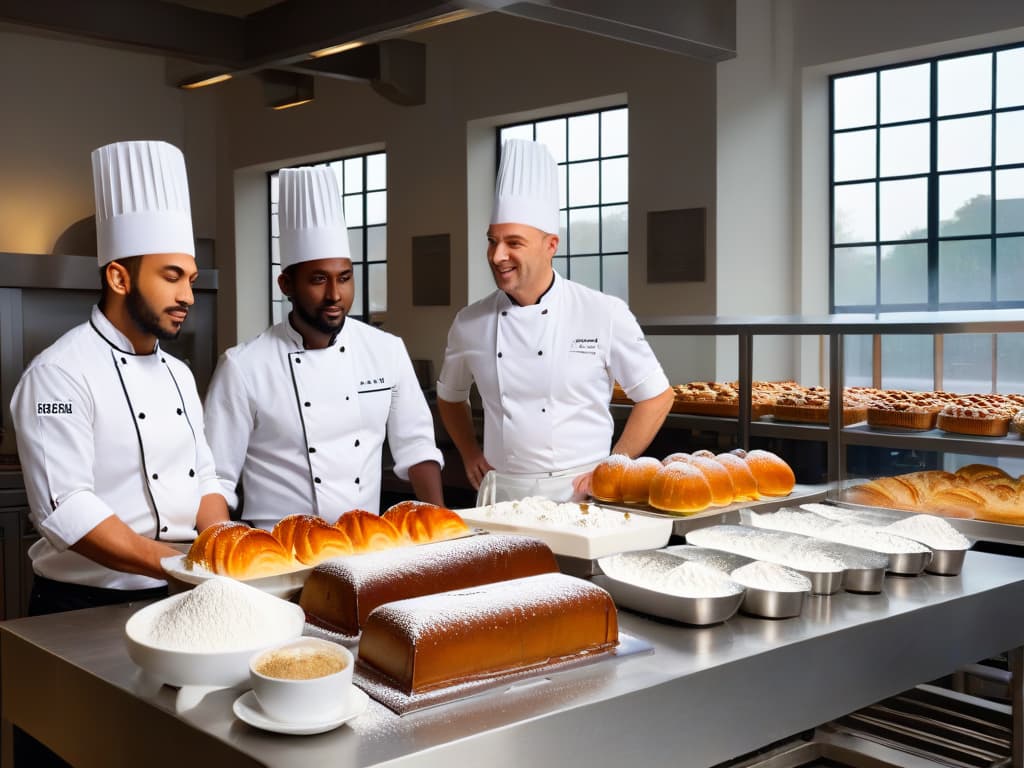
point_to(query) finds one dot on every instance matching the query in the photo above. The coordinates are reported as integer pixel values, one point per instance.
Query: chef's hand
(476, 468)
(581, 486)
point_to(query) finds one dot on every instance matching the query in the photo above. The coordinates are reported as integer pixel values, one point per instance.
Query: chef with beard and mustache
(109, 426)
(299, 414)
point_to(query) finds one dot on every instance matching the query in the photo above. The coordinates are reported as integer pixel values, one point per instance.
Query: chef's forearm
(116, 546)
(643, 424)
(426, 482)
(213, 508)
(458, 421)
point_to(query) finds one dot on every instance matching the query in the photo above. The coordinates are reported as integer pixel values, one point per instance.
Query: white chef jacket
(304, 428)
(103, 431)
(545, 374)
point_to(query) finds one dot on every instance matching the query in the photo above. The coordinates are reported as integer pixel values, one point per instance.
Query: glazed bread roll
(419, 522)
(339, 594)
(718, 477)
(367, 531)
(286, 528)
(774, 476)
(680, 488)
(677, 456)
(744, 485)
(636, 479)
(235, 549)
(606, 482)
(434, 641)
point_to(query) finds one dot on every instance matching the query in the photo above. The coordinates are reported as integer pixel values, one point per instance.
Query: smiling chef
(299, 414)
(109, 426)
(544, 352)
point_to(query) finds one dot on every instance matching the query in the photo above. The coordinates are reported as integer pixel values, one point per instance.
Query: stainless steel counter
(704, 696)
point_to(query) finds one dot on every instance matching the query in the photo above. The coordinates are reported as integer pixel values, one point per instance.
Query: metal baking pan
(772, 604)
(909, 563)
(822, 582)
(699, 611)
(946, 562)
(765, 603)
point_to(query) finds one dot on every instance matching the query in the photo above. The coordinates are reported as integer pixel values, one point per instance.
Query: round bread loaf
(201, 552)
(678, 456)
(606, 482)
(718, 478)
(636, 479)
(774, 476)
(367, 531)
(680, 488)
(744, 485)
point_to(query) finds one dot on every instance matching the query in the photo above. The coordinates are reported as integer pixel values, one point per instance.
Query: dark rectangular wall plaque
(676, 245)
(431, 270)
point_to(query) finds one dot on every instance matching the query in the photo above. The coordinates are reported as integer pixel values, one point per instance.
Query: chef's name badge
(584, 346)
(53, 409)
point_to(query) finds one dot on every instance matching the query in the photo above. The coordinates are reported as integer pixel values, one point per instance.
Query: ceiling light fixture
(203, 80)
(336, 49)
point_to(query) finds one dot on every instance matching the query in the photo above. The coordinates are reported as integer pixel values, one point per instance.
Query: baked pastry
(773, 475)
(317, 540)
(435, 641)
(1017, 422)
(367, 531)
(678, 456)
(340, 594)
(419, 522)
(636, 479)
(606, 482)
(718, 477)
(973, 420)
(680, 488)
(744, 485)
(235, 549)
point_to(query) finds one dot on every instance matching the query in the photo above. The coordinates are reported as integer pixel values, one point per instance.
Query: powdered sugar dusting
(666, 573)
(467, 610)
(221, 615)
(536, 511)
(787, 549)
(770, 576)
(930, 530)
(852, 534)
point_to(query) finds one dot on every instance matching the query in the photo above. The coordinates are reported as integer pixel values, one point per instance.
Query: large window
(928, 184)
(592, 152)
(362, 181)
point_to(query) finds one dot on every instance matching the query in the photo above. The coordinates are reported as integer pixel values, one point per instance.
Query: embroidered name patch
(53, 409)
(584, 346)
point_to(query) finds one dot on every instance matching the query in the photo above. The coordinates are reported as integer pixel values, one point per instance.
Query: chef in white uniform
(300, 413)
(544, 352)
(109, 426)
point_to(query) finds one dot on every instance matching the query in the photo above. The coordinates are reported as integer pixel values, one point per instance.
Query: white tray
(642, 532)
(282, 585)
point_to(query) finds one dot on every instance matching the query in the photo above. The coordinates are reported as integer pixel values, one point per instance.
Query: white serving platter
(636, 532)
(282, 585)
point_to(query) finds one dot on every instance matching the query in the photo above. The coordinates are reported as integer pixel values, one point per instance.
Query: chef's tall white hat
(142, 203)
(310, 218)
(527, 188)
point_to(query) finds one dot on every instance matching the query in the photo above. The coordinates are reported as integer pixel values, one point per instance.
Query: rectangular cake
(466, 635)
(340, 593)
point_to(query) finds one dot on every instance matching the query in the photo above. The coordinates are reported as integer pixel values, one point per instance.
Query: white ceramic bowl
(307, 700)
(224, 668)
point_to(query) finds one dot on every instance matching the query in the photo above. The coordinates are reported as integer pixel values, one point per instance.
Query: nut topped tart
(986, 415)
(812, 405)
(906, 410)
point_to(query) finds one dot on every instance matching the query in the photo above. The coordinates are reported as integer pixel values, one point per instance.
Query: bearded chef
(109, 426)
(300, 413)
(544, 352)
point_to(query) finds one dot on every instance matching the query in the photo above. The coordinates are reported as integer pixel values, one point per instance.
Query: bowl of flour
(207, 635)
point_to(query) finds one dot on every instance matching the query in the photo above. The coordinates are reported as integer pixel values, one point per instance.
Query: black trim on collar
(133, 353)
(539, 298)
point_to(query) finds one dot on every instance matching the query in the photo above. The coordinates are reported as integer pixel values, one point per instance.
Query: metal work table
(704, 696)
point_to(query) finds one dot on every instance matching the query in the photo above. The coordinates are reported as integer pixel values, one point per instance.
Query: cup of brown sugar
(302, 681)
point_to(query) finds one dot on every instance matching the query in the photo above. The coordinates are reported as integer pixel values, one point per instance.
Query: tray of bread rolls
(698, 489)
(280, 561)
(578, 531)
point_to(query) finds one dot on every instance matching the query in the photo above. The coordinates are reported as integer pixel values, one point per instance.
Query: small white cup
(294, 700)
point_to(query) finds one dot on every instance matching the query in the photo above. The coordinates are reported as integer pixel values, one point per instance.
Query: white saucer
(247, 709)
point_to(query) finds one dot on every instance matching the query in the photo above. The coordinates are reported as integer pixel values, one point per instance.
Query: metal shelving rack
(836, 328)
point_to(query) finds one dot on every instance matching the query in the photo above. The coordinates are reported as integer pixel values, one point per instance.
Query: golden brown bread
(340, 594)
(774, 476)
(235, 549)
(201, 552)
(718, 477)
(367, 531)
(419, 522)
(431, 642)
(636, 479)
(680, 488)
(744, 485)
(606, 481)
